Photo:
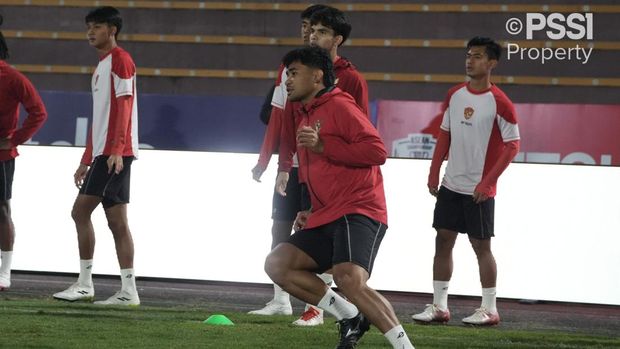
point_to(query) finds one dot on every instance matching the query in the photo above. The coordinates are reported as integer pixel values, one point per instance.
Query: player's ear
(113, 29)
(493, 63)
(338, 40)
(317, 76)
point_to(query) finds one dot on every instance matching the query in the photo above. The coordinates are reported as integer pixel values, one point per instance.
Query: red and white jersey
(279, 93)
(114, 77)
(479, 122)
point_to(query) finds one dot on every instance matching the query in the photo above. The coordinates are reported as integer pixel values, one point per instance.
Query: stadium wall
(198, 215)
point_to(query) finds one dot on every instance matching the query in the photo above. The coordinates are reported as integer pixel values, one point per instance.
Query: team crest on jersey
(468, 113)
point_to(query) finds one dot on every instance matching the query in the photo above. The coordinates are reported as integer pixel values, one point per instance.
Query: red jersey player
(103, 175)
(15, 89)
(479, 132)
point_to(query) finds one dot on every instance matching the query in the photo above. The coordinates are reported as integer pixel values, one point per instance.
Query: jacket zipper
(307, 119)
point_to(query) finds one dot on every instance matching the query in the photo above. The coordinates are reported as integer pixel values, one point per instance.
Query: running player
(340, 152)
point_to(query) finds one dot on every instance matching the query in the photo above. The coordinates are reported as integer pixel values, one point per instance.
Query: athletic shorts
(6, 179)
(111, 187)
(352, 238)
(285, 208)
(458, 212)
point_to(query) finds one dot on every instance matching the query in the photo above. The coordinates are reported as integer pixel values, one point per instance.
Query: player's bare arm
(281, 182)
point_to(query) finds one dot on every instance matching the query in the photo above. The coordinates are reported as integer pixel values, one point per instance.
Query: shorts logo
(468, 113)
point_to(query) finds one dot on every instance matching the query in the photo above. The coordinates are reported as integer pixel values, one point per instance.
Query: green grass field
(46, 323)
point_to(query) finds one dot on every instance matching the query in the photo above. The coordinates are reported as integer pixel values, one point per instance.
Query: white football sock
(339, 307)
(398, 338)
(488, 299)
(280, 296)
(440, 294)
(86, 272)
(6, 257)
(128, 281)
(328, 279)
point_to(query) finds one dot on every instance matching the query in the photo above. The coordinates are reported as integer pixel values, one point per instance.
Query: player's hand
(309, 138)
(115, 163)
(433, 182)
(257, 172)
(79, 175)
(479, 197)
(433, 190)
(481, 192)
(281, 182)
(301, 220)
(5, 143)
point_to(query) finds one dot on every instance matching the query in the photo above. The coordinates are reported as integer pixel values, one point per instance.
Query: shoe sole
(117, 305)
(467, 324)
(86, 299)
(295, 323)
(433, 322)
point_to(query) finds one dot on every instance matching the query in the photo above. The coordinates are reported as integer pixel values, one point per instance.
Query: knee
(79, 215)
(348, 282)
(275, 267)
(117, 226)
(443, 246)
(481, 247)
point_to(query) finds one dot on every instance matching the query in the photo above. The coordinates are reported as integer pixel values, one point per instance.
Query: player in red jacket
(340, 153)
(15, 89)
(479, 131)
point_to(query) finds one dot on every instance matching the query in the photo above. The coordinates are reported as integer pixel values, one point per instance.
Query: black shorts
(111, 187)
(285, 208)
(352, 238)
(458, 212)
(7, 169)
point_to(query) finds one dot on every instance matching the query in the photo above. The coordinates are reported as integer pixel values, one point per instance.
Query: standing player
(112, 146)
(479, 130)
(15, 89)
(340, 152)
(330, 29)
(284, 209)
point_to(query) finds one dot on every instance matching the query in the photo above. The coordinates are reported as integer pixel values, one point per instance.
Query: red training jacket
(345, 178)
(15, 88)
(348, 80)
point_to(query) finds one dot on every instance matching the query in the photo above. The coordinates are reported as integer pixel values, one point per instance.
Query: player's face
(324, 37)
(302, 82)
(305, 31)
(477, 62)
(99, 35)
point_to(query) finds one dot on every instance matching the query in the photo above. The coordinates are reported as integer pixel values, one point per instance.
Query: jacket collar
(321, 97)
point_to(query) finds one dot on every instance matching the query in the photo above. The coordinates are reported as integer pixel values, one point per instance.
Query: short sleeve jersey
(479, 123)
